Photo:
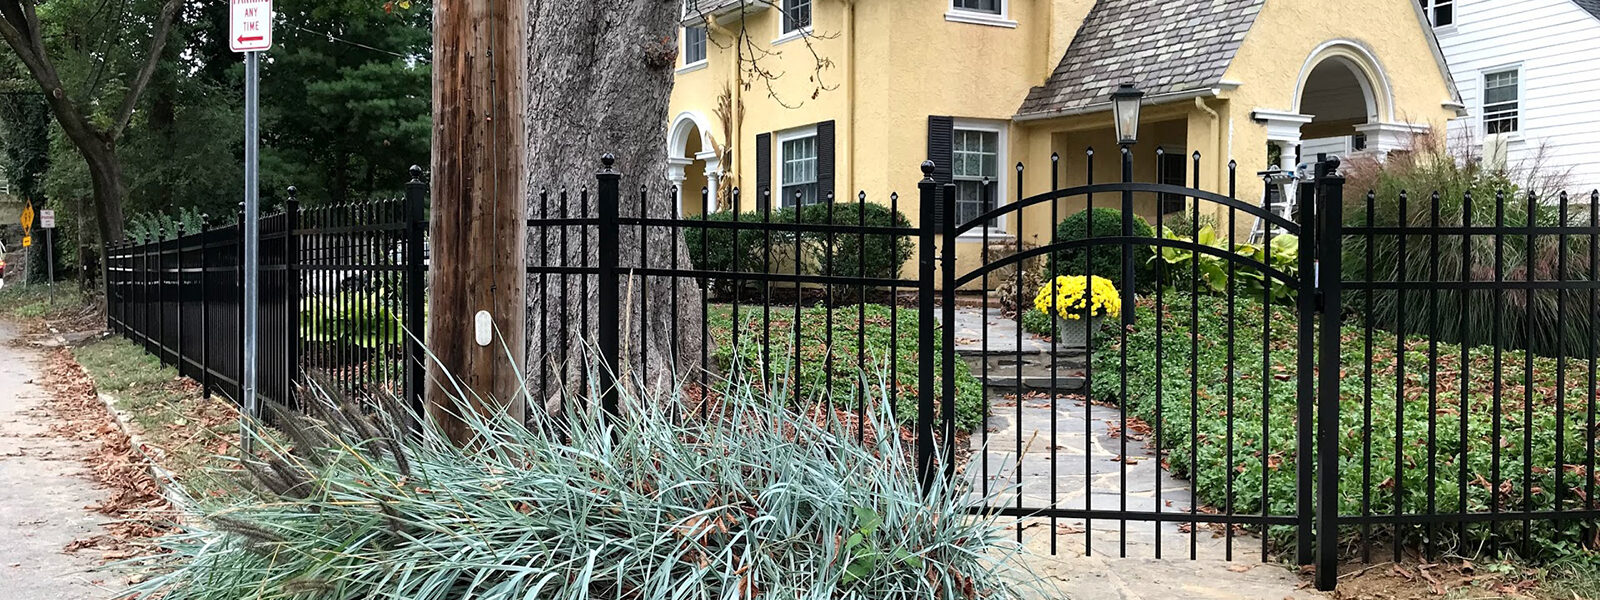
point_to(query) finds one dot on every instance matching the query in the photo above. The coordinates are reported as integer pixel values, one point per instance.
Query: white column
(713, 178)
(713, 182)
(676, 176)
(1283, 131)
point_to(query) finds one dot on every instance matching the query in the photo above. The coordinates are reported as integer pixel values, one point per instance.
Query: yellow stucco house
(841, 96)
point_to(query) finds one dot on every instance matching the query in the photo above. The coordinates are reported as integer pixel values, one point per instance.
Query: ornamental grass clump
(750, 501)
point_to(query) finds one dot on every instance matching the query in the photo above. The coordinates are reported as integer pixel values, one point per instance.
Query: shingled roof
(1163, 46)
(1593, 6)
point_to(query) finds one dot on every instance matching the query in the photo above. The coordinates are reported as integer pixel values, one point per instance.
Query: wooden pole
(477, 233)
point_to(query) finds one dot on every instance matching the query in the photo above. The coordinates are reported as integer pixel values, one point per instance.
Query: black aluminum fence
(1200, 421)
(342, 287)
(1195, 423)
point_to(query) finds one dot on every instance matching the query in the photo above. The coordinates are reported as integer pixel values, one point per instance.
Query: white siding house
(1530, 71)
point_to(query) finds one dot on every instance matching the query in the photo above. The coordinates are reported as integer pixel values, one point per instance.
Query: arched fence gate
(1170, 427)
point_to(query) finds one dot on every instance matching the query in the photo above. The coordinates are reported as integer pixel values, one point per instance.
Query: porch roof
(1163, 46)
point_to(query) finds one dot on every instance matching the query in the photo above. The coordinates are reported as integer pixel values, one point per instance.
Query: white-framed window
(1442, 13)
(1502, 92)
(990, 7)
(977, 166)
(694, 45)
(981, 12)
(796, 16)
(797, 167)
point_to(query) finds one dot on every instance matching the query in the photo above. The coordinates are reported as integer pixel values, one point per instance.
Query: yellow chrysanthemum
(1076, 297)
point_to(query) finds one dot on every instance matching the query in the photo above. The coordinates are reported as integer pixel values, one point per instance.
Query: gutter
(1205, 92)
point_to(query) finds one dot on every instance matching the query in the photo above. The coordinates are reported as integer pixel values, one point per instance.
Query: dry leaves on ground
(135, 500)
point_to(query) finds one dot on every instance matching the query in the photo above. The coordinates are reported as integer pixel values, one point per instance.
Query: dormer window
(1442, 13)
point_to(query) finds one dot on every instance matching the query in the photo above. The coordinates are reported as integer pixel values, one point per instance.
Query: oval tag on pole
(483, 328)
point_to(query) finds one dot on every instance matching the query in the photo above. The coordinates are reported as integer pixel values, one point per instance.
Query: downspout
(850, 98)
(1216, 119)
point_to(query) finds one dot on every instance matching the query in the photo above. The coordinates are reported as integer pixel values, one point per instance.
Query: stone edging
(163, 478)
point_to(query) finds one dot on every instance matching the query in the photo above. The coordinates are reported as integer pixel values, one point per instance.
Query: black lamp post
(1125, 111)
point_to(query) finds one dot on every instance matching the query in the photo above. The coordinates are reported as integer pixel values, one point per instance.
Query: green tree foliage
(346, 97)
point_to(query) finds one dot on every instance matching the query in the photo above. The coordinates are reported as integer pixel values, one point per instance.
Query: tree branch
(158, 41)
(19, 27)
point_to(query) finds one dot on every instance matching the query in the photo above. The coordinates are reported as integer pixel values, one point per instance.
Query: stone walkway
(1075, 456)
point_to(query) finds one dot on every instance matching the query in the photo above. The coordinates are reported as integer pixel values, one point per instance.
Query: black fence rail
(342, 288)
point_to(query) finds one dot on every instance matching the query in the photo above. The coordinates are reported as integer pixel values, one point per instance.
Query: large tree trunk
(477, 226)
(600, 79)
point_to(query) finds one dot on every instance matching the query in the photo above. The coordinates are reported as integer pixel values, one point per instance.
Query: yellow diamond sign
(27, 219)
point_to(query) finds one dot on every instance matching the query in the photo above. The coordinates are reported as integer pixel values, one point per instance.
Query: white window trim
(1522, 100)
(778, 140)
(965, 15)
(1003, 167)
(699, 64)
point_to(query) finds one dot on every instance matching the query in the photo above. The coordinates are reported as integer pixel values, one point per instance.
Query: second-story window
(796, 15)
(1440, 12)
(991, 7)
(694, 44)
(1500, 96)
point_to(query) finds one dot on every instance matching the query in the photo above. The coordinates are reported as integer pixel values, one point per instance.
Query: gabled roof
(1163, 46)
(1593, 6)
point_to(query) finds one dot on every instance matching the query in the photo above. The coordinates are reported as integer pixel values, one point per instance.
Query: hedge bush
(1235, 389)
(844, 371)
(1104, 261)
(841, 254)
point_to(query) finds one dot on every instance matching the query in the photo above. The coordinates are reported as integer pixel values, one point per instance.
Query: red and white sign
(250, 25)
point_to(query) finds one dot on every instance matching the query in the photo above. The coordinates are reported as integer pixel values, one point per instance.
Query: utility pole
(476, 313)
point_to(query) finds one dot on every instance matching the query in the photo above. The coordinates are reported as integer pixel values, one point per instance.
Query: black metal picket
(342, 289)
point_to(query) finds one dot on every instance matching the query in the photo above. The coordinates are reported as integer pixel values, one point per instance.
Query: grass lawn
(195, 435)
(34, 301)
(833, 368)
(1228, 464)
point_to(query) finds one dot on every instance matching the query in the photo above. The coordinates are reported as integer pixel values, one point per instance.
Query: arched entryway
(693, 166)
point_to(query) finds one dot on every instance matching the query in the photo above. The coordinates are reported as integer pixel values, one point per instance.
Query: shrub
(1224, 390)
(837, 379)
(842, 254)
(1104, 261)
(712, 249)
(1534, 321)
(845, 255)
(751, 502)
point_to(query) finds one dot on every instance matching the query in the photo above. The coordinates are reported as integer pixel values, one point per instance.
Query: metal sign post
(250, 32)
(47, 221)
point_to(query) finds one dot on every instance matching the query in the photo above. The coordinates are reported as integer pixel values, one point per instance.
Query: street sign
(47, 219)
(27, 217)
(250, 25)
(27, 241)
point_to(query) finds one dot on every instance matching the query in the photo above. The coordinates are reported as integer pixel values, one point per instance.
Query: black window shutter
(825, 160)
(763, 168)
(941, 142)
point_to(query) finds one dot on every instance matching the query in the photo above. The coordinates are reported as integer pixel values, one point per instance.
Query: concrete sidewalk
(45, 489)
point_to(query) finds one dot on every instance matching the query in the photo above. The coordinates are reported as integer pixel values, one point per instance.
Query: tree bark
(600, 77)
(478, 229)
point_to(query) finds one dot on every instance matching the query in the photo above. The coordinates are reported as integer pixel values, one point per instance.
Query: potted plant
(1080, 305)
